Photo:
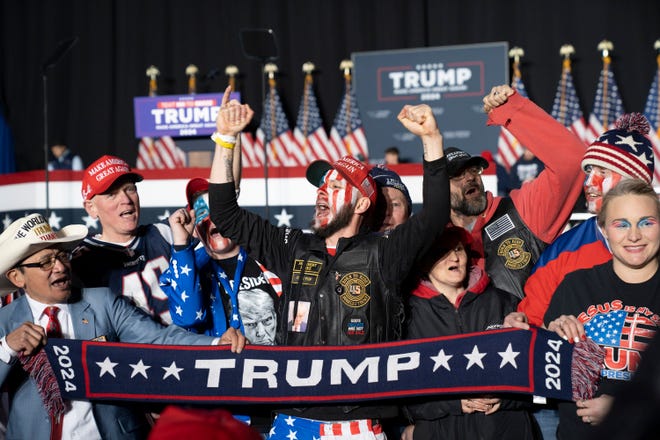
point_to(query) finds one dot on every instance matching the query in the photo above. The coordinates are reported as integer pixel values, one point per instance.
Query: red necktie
(53, 329)
(40, 370)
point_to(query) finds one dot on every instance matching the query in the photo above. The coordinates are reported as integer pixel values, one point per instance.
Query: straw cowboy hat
(29, 235)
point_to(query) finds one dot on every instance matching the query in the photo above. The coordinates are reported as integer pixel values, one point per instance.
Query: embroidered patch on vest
(499, 227)
(312, 271)
(355, 326)
(513, 250)
(355, 289)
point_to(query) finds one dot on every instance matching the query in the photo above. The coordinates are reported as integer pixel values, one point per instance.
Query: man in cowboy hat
(36, 259)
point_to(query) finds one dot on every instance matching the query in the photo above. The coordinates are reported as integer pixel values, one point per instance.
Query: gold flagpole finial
(346, 66)
(152, 73)
(308, 67)
(192, 71)
(516, 53)
(567, 50)
(232, 71)
(605, 47)
(271, 69)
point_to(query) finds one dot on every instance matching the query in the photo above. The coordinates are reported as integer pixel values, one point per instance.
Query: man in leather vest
(510, 233)
(340, 283)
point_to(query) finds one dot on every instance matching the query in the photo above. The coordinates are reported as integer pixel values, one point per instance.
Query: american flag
(607, 105)
(159, 153)
(566, 107)
(621, 329)
(274, 132)
(347, 134)
(652, 113)
(508, 147)
(252, 155)
(309, 131)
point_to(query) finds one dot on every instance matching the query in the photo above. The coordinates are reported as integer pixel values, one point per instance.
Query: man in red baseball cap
(125, 256)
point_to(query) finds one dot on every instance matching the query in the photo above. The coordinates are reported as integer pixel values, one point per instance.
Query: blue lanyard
(235, 318)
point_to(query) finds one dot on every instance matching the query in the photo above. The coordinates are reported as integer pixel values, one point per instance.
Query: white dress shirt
(79, 420)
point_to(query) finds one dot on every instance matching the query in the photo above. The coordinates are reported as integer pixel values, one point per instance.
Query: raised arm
(419, 120)
(232, 118)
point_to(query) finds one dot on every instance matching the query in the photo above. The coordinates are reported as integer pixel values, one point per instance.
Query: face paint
(201, 207)
(596, 184)
(213, 241)
(332, 196)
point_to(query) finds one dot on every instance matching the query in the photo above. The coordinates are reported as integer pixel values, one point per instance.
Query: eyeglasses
(471, 171)
(48, 263)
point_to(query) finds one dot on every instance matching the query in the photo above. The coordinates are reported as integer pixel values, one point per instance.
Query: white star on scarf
(107, 366)
(290, 420)
(292, 435)
(441, 360)
(509, 357)
(198, 315)
(178, 310)
(172, 370)
(475, 358)
(139, 368)
(184, 296)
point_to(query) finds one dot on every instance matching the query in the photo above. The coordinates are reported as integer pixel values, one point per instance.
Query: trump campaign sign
(177, 115)
(451, 79)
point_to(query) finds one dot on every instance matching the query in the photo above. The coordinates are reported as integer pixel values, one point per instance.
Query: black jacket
(481, 308)
(353, 297)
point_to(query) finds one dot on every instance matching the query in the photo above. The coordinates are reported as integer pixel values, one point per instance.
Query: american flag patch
(499, 227)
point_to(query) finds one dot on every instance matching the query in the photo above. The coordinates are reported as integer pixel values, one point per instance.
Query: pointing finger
(225, 97)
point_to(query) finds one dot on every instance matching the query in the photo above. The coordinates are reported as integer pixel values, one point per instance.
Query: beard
(473, 206)
(342, 220)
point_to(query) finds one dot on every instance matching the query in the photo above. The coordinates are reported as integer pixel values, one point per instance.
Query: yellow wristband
(216, 137)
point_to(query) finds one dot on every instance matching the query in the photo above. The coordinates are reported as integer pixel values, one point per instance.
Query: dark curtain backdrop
(91, 90)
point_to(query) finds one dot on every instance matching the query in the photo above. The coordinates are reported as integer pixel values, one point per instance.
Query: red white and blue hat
(624, 149)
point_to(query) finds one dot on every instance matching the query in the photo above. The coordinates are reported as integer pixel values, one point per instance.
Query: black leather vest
(340, 300)
(510, 249)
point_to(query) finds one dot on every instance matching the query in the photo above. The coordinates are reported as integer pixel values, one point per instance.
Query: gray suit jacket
(94, 312)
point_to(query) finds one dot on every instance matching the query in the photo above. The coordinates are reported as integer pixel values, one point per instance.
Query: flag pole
(152, 72)
(516, 53)
(656, 46)
(307, 69)
(605, 47)
(565, 51)
(345, 66)
(269, 70)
